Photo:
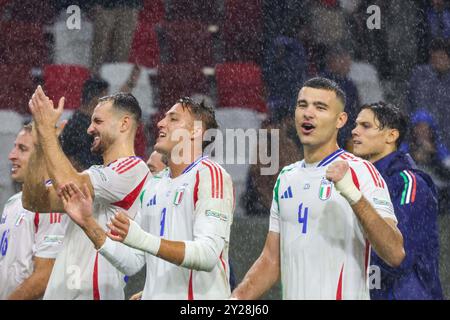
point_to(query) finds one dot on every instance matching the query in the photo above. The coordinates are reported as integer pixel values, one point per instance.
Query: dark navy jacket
(414, 197)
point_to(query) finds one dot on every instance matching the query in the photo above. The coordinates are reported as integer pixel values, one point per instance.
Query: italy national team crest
(325, 189)
(179, 195)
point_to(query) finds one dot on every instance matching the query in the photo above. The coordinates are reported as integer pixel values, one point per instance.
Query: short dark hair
(390, 116)
(125, 102)
(92, 88)
(201, 112)
(27, 127)
(326, 84)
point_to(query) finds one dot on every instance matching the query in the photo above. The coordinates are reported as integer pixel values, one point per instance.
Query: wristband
(139, 239)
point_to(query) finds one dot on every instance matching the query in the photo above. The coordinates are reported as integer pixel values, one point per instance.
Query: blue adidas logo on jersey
(287, 194)
(152, 201)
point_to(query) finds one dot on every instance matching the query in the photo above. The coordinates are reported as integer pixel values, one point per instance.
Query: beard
(99, 147)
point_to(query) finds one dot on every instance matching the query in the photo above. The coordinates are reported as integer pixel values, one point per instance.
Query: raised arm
(382, 233)
(45, 118)
(36, 196)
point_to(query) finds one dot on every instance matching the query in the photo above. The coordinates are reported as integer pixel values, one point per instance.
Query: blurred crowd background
(245, 58)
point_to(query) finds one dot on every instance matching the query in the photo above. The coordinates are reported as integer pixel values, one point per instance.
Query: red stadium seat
(67, 81)
(153, 12)
(17, 87)
(240, 85)
(176, 81)
(188, 42)
(145, 48)
(242, 30)
(22, 43)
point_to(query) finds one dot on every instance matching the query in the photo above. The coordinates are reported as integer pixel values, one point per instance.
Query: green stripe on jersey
(142, 196)
(405, 189)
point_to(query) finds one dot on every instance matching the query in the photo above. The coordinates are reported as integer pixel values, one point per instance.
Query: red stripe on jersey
(366, 256)
(218, 171)
(349, 155)
(344, 156)
(125, 169)
(382, 182)
(122, 164)
(212, 177)
(36, 222)
(354, 178)
(219, 180)
(95, 290)
(221, 183)
(51, 217)
(413, 195)
(59, 217)
(377, 174)
(371, 173)
(339, 286)
(223, 262)
(128, 201)
(190, 289)
(197, 181)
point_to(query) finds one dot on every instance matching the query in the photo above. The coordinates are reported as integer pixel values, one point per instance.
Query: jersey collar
(193, 164)
(328, 159)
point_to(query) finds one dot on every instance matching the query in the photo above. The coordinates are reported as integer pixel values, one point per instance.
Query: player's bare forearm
(59, 167)
(35, 195)
(263, 274)
(385, 238)
(95, 233)
(171, 251)
(34, 286)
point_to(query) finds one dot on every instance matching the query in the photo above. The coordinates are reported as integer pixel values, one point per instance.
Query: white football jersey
(324, 253)
(24, 235)
(198, 204)
(79, 271)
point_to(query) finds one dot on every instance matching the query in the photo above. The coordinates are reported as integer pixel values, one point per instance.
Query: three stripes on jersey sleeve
(216, 179)
(126, 165)
(376, 177)
(409, 190)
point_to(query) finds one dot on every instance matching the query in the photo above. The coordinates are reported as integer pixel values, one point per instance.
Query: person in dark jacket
(430, 154)
(380, 129)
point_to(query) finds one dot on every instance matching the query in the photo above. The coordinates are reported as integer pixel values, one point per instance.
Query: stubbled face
(104, 127)
(155, 163)
(318, 116)
(177, 123)
(20, 155)
(369, 141)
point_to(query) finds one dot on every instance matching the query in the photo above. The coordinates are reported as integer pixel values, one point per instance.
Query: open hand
(77, 203)
(43, 111)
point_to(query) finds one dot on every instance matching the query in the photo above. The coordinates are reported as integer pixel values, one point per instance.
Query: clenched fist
(336, 171)
(339, 173)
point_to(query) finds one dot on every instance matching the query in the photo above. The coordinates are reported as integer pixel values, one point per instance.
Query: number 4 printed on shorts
(303, 216)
